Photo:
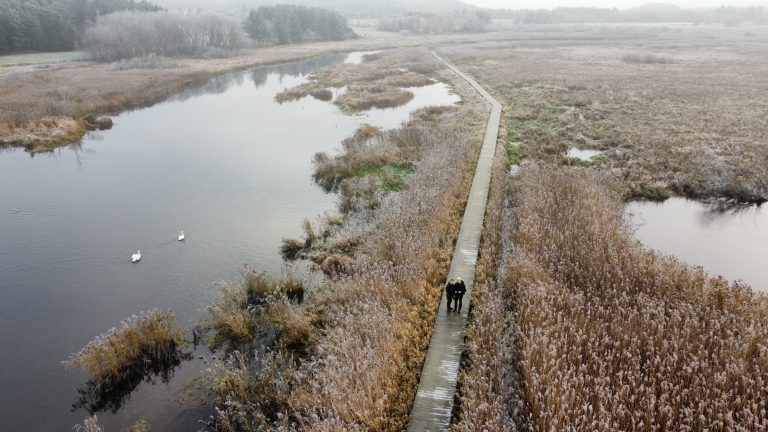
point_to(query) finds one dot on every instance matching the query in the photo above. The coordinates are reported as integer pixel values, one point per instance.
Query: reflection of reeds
(596, 332)
(146, 346)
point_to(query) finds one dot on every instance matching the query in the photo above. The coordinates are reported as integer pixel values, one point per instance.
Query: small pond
(731, 243)
(584, 155)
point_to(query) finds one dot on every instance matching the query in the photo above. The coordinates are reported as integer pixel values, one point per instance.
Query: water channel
(223, 161)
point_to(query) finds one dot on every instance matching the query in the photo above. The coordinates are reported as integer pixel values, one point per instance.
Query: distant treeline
(283, 24)
(54, 25)
(128, 34)
(730, 16)
(469, 21)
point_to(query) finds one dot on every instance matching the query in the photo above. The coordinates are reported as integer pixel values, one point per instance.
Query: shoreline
(46, 106)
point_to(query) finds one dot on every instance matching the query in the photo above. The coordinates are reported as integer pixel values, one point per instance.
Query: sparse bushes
(126, 35)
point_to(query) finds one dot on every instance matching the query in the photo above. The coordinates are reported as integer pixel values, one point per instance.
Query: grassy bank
(368, 327)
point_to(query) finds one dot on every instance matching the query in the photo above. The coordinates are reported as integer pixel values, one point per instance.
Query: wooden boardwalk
(432, 407)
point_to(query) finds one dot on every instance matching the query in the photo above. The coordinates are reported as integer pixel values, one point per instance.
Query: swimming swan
(136, 257)
(181, 236)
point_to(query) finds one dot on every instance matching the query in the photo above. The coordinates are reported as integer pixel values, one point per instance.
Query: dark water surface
(223, 162)
(732, 243)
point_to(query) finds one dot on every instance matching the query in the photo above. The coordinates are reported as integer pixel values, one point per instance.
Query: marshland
(319, 161)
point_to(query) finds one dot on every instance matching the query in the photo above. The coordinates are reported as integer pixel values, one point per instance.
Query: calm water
(223, 162)
(585, 155)
(733, 244)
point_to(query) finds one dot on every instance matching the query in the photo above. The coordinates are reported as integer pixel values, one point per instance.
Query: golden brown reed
(149, 336)
(603, 333)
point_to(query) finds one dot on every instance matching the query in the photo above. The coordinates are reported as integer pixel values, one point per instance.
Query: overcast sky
(621, 4)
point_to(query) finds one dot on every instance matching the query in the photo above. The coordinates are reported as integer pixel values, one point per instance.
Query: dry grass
(255, 309)
(364, 97)
(605, 334)
(371, 326)
(695, 127)
(45, 134)
(141, 339)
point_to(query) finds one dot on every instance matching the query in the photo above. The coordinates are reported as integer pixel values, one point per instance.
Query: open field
(682, 109)
(575, 325)
(29, 95)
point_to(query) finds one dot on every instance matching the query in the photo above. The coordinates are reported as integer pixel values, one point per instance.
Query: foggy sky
(621, 4)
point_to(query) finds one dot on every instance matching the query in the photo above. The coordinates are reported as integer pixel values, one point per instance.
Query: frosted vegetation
(139, 34)
(596, 331)
(349, 355)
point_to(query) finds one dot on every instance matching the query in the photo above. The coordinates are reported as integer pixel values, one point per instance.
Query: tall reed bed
(371, 326)
(140, 339)
(600, 333)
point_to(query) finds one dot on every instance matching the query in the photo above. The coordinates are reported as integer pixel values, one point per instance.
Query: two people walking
(454, 292)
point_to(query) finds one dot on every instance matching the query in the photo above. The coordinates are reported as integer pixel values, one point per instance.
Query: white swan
(181, 236)
(136, 257)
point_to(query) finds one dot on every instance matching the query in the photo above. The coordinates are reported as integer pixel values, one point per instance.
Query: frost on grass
(380, 82)
(603, 333)
(368, 328)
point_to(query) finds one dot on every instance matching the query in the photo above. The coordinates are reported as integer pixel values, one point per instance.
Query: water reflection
(97, 396)
(259, 76)
(730, 241)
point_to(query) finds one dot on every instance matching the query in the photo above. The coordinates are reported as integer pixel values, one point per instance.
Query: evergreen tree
(284, 24)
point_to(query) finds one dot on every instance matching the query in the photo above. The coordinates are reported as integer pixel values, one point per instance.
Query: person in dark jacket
(450, 288)
(458, 293)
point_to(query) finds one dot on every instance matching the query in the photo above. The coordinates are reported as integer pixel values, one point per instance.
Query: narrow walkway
(434, 400)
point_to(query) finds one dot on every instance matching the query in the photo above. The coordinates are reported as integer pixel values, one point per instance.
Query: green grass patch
(393, 177)
(515, 154)
(515, 130)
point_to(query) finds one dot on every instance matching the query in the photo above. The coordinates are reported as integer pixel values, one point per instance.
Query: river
(222, 161)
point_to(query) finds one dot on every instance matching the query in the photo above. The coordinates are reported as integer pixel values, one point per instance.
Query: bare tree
(135, 34)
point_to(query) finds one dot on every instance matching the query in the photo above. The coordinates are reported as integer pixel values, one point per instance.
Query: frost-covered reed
(370, 328)
(596, 332)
